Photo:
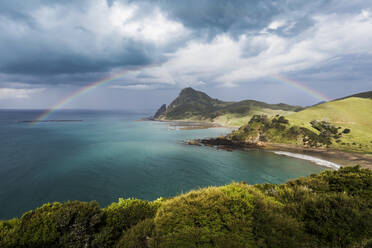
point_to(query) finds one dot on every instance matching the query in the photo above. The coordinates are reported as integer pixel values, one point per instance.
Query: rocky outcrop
(160, 111)
(223, 143)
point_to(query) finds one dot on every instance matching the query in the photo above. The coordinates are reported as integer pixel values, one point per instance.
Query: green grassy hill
(198, 106)
(331, 209)
(344, 124)
(354, 113)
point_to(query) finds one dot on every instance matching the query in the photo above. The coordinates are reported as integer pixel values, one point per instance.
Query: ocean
(111, 154)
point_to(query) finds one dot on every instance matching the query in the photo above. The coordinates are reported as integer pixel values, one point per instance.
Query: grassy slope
(354, 113)
(237, 120)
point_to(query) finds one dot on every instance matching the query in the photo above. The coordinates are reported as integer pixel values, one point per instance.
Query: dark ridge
(366, 94)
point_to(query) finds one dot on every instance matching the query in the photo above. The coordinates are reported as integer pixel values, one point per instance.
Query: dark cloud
(28, 47)
(346, 68)
(39, 51)
(58, 60)
(235, 17)
(71, 42)
(222, 16)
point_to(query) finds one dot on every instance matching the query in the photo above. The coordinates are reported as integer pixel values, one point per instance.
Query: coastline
(315, 160)
(328, 158)
(342, 158)
(324, 157)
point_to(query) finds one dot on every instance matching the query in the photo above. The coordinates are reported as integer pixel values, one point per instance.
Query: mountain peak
(190, 95)
(187, 91)
(192, 104)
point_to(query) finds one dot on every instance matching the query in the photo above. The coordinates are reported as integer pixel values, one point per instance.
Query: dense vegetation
(352, 113)
(261, 129)
(196, 105)
(331, 209)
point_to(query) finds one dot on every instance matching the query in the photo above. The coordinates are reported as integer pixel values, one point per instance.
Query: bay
(110, 154)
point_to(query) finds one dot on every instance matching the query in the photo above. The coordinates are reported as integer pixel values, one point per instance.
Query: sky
(291, 51)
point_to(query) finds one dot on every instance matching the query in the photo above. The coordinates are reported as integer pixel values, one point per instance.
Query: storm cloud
(167, 44)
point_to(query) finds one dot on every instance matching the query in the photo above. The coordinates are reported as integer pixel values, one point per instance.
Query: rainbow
(113, 77)
(82, 91)
(302, 87)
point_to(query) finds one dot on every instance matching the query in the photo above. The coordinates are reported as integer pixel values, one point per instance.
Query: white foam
(317, 161)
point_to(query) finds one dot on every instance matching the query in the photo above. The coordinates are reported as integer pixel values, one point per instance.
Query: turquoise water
(110, 155)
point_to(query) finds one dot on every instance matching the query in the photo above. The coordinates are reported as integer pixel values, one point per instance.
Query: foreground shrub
(331, 209)
(75, 224)
(58, 225)
(7, 235)
(137, 236)
(336, 220)
(120, 216)
(273, 226)
(212, 217)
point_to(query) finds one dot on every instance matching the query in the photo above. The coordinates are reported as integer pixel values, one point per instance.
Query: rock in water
(160, 111)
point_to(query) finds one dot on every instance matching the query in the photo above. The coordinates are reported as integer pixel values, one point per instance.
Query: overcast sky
(231, 50)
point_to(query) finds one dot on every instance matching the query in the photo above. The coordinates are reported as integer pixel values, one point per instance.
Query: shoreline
(312, 159)
(335, 158)
(328, 158)
(338, 157)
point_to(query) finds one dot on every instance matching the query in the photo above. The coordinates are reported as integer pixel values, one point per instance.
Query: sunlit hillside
(354, 113)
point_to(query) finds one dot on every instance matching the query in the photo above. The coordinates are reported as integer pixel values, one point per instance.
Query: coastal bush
(351, 180)
(260, 119)
(122, 215)
(327, 130)
(272, 226)
(279, 122)
(127, 212)
(334, 207)
(336, 220)
(138, 236)
(283, 120)
(330, 209)
(346, 130)
(7, 235)
(211, 217)
(62, 225)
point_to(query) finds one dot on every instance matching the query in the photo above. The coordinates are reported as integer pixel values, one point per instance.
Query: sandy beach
(335, 156)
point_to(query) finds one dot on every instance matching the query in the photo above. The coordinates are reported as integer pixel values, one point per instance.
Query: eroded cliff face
(160, 111)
